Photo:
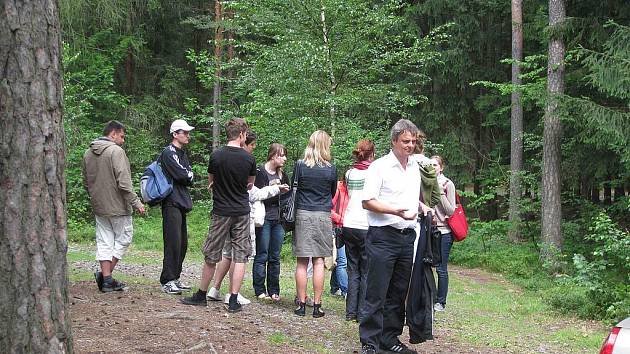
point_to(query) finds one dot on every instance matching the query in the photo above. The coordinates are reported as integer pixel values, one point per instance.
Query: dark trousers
(175, 236)
(269, 240)
(390, 258)
(442, 269)
(356, 255)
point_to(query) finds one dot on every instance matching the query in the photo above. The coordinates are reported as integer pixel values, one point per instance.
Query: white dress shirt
(389, 183)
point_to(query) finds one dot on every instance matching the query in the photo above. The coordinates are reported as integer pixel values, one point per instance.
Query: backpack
(340, 203)
(154, 185)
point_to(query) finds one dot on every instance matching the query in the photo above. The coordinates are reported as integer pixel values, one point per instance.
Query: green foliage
(487, 247)
(597, 283)
(605, 272)
(89, 100)
(569, 298)
(603, 119)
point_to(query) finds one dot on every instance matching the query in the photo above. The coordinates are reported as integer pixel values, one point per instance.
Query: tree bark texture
(608, 191)
(331, 73)
(216, 96)
(619, 192)
(552, 132)
(516, 143)
(33, 244)
(595, 194)
(129, 71)
(229, 15)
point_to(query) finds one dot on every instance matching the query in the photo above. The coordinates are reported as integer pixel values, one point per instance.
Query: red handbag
(457, 222)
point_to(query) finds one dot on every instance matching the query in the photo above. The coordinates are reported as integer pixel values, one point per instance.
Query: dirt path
(145, 320)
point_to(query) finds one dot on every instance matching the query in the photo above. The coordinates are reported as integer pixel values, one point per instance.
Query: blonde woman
(312, 238)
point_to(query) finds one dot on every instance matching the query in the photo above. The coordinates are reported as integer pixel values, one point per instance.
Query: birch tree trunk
(516, 144)
(218, 53)
(551, 182)
(33, 244)
(331, 74)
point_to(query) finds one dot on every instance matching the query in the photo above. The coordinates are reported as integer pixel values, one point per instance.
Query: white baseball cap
(180, 124)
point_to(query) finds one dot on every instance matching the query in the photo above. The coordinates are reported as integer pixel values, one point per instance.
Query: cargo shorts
(232, 229)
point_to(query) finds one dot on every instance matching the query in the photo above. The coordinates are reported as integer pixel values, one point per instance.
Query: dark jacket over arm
(421, 290)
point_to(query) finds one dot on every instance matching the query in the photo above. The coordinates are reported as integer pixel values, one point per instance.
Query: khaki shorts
(113, 236)
(233, 229)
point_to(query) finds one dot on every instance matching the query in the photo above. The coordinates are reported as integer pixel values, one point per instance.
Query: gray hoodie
(107, 178)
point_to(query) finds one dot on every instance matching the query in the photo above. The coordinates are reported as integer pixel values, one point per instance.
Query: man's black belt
(402, 231)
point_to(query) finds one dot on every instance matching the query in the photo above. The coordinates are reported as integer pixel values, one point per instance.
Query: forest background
(354, 67)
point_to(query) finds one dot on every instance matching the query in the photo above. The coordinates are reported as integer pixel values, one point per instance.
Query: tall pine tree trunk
(551, 182)
(608, 190)
(229, 16)
(218, 53)
(129, 71)
(33, 244)
(516, 144)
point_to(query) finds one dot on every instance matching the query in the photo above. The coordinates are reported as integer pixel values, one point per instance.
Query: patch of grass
(503, 316)
(277, 338)
(148, 230)
(82, 275)
(147, 235)
(83, 254)
(487, 247)
(582, 339)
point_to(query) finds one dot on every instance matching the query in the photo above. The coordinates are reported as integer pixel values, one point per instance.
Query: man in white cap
(176, 167)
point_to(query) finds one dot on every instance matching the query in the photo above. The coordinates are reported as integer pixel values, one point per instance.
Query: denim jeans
(269, 240)
(442, 269)
(339, 276)
(357, 270)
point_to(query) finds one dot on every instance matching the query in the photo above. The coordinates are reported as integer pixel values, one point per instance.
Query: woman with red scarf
(355, 226)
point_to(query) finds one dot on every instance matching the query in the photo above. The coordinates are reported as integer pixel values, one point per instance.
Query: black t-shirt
(263, 179)
(231, 166)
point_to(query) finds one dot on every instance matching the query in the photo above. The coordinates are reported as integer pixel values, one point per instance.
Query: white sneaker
(171, 288)
(214, 294)
(181, 285)
(240, 298)
(438, 307)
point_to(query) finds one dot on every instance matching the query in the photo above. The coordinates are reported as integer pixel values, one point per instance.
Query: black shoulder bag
(287, 210)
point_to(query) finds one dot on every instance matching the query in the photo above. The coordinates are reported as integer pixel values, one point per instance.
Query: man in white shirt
(392, 197)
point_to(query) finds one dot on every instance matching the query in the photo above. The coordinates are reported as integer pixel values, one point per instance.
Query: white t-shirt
(355, 216)
(388, 182)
